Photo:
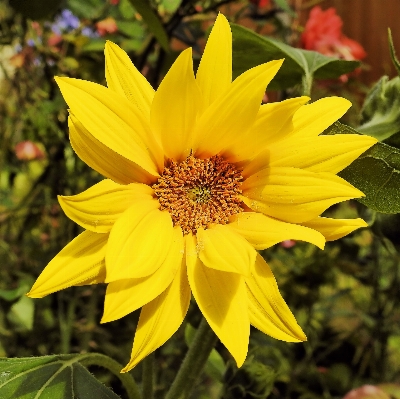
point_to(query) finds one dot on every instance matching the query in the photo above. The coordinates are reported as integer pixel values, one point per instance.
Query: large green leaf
(380, 115)
(143, 7)
(251, 49)
(376, 173)
(49, 377)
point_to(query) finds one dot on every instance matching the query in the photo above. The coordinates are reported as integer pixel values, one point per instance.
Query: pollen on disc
(199, 192)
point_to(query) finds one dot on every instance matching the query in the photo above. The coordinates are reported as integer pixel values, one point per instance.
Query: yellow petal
(79, 262)
(175, 107)
(97, 208)
(214, 74)
(263, 232)
(222, 299)
(160, 319)
(312, 119)
(114, 121)
(223, 249)
(233, 113)
(321, 154)
(295, 195)
(333, 229)
(123, 77)
(267, 309)
(139, 242)
(125, 296)
(102, 159)
(273, 122)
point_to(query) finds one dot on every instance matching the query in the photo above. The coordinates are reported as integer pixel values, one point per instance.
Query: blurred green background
(346, 298)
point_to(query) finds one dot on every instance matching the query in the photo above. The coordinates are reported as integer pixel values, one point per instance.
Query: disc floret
(199, 192)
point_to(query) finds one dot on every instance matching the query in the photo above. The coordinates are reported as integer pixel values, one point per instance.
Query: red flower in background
(323, 33)
(54, 40)
(260, 3)
(108, 25)
(28, 151)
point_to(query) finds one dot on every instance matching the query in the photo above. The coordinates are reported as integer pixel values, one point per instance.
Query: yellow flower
(199, 177)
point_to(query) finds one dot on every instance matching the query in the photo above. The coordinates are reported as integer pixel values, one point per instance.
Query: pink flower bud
(288, 243)
(28, 151)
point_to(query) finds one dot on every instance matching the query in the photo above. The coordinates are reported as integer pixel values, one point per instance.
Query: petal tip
(222, 21)
(105, 319)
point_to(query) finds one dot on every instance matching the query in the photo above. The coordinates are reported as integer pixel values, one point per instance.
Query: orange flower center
(199, 192)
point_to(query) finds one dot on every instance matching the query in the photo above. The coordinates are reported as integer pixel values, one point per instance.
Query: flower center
(199, 192)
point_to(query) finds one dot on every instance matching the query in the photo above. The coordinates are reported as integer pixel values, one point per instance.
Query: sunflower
(199, 176)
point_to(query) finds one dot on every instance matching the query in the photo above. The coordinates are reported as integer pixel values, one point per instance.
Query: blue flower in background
(65, 22)
(89, 32)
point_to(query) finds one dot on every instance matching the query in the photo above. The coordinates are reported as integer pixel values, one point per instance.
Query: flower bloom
(28, 151)
(323, 33)
(200, 176)
(65, 22)
(107, 25)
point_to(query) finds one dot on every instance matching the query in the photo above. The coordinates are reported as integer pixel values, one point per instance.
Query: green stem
(66, 320)
(307, 84)
(96, 359)
(194, 361)
(147, 376)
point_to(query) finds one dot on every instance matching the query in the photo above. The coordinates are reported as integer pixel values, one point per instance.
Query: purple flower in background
(65, 22)
(89, 32)
(33, 43)
(72, 21)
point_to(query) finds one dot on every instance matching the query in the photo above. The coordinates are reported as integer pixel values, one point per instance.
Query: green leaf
(11, 295)
(251, 49)
(153, 21)
(126, 9)
(395, 60)
(49, 377)
(376, 173)
(21, 313)
(283, 4)
(90, 9)
(131, 28)
(380, 114)
(171, 5)
(131, 45)
(94, 45)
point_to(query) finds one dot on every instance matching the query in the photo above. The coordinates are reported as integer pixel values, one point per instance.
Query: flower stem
(194, 361)
(147, 376)
(307, 82)
(96, 359)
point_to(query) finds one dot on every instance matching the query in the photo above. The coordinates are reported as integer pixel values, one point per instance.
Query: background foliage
(346, 298)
